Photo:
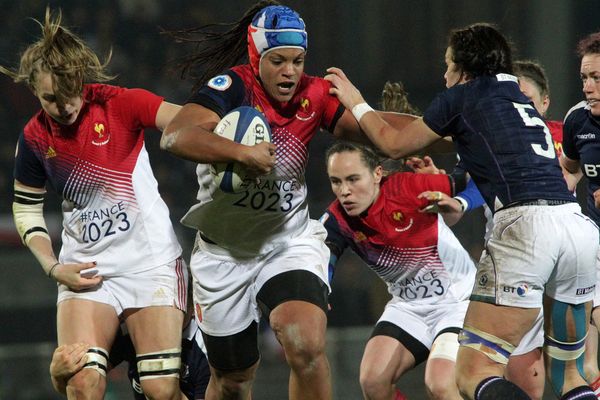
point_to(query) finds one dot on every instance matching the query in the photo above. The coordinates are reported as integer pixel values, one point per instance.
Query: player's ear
(378, 174)
(545, 104)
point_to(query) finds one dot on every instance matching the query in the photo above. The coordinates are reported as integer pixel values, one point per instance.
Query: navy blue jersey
(195, 371)
(501, 139)
(581, 141)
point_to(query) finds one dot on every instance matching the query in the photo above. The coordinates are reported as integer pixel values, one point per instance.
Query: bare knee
(234, 384)
(86, 384)
(375, 386)
(303, 347)
(469, 373)
(441, 387)
(161, 388)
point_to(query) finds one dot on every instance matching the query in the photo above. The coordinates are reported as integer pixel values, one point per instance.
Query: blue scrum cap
(274, 27)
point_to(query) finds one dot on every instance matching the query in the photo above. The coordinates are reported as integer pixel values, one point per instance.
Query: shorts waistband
(536, 202)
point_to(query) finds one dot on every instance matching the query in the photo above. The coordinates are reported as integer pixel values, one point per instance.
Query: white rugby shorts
(537, 247)
(225, 287)
(424, 321)
(165, 285)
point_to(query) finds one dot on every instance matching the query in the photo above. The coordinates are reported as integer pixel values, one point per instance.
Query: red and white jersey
(556, 130)
(266, 214)
(415, 253)
(112, 211)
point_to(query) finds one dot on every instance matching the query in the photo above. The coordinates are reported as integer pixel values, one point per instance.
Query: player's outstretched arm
(405, 136)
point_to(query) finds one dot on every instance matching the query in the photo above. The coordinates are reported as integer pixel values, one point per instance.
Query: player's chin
(352, 211)
(284, 93)
(283, 97)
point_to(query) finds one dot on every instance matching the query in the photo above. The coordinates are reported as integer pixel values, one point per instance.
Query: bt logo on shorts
(522, 290)
(582, 291)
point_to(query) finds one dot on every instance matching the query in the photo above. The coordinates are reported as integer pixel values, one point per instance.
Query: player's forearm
(572, 179)
(383, 135)
(200, 145)
(41, 248)
(452, 217)
(28, 214)
(404, 136)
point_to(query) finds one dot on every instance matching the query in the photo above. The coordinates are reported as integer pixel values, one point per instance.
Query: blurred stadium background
(373, 41)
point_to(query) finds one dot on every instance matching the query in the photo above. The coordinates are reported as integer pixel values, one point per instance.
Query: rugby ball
(245, 125)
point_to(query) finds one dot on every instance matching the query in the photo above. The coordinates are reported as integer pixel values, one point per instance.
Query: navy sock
(497, 388)
(580, 393)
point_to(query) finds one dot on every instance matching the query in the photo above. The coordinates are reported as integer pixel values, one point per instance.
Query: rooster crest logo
(304, 103)
(304, 113)
(400, 221)
(99, 128)
(397, 216)
(102, 137)
(359, 236)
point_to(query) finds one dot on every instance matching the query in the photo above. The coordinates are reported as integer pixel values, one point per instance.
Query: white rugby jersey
(413, 252)
(112, 211)
(266, 214)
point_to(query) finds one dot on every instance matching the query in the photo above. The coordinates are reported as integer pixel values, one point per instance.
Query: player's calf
(564, 345)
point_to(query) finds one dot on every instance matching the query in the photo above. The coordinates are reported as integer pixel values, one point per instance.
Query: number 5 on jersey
(537, 121)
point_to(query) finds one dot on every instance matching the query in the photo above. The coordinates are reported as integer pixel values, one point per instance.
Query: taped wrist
(28, 213)
(361, 109)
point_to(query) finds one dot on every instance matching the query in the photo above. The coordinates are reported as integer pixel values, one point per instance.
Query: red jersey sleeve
(137, 108)
(332, 108)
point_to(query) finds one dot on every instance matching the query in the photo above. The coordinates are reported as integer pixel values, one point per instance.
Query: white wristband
(463, 203)
(361, 109)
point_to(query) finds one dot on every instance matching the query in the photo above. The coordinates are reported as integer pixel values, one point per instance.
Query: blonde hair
(62, 54)
(395, 98)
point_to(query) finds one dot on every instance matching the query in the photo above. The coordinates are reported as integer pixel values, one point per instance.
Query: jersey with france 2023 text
(502, 140)
(112, 211)
(581, 142)
(275, 208)
(415, 253)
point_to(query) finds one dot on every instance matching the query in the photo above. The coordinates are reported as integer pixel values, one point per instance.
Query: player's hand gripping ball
(245, 125)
